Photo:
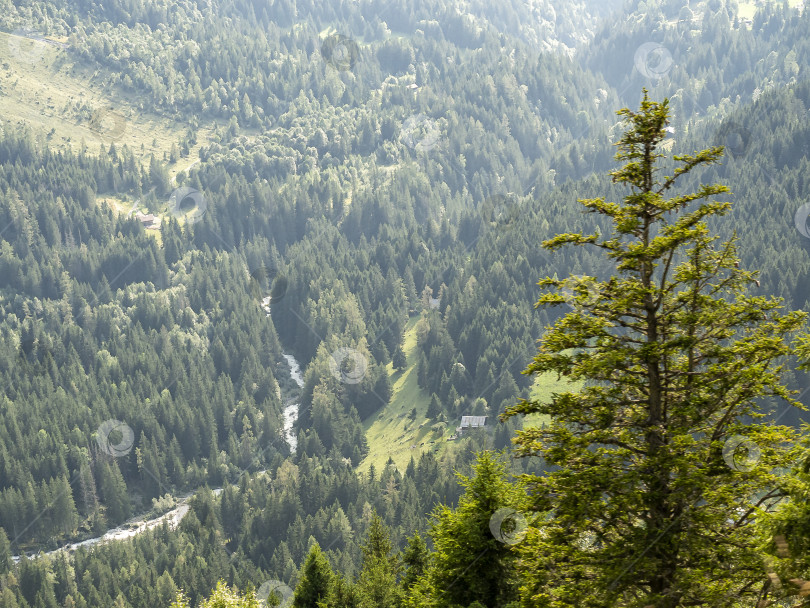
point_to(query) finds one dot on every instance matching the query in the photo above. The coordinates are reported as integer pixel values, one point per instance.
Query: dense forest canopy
(363, 186)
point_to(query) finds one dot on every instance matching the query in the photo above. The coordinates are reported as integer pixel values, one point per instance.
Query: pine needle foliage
(650, 496)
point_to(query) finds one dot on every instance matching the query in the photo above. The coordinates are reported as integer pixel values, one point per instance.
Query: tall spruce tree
(316, 580)
(377, 582)
(6, 562)
(472, 559)
(650, 495)
(414, 560)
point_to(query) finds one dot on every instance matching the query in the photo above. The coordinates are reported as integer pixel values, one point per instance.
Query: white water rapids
(291, 411)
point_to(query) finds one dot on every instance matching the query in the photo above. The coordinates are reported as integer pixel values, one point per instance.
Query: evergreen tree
(342, 594)
(223, 596)
(113, 490)
(316, 580)
(470, 564)
(434, 407)
(7, 599)
(377, 582)
(87, 488)
(415, 560)
(64, 516)
(677, 358)
(400, 362)
(785, 530)
(5, 552)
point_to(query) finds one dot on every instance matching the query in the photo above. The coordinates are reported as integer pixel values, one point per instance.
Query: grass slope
(545, 385)
(390, 432)
(44, 87)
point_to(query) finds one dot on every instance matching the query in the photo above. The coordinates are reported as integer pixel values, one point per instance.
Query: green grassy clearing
(542, 389)
(42, 86)
(389, 432)
(747, 9)
(392, 434)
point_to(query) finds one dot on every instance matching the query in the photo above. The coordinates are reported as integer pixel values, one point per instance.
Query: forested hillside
(325, 176)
